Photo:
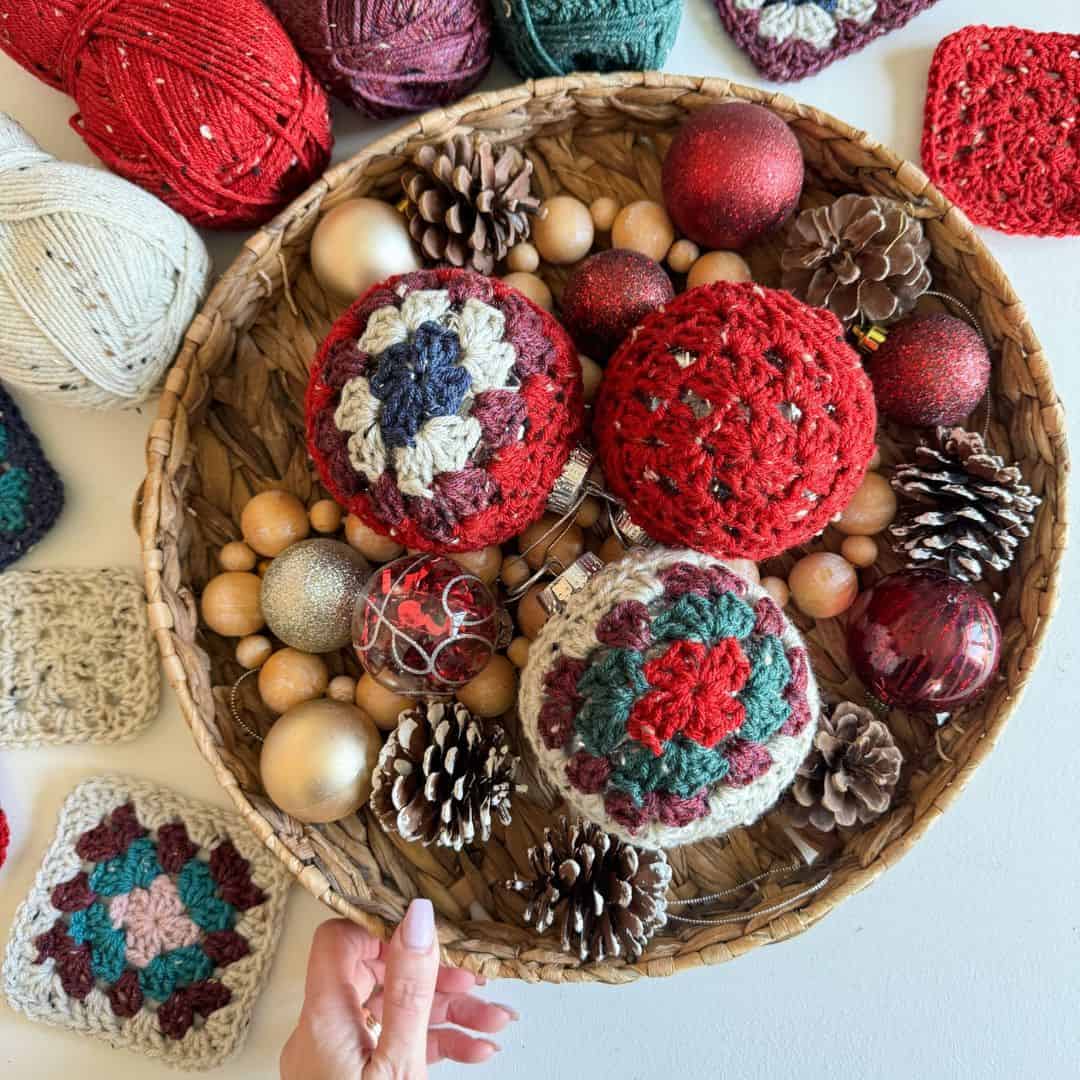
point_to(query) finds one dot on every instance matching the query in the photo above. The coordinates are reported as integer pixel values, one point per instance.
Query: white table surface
(964, 960)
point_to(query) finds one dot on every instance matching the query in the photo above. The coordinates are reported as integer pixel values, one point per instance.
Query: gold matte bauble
(317, 760)
(309, 593)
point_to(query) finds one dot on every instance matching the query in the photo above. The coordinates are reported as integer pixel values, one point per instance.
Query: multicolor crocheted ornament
(791, 39)
(1000, 135)
(151, 924)
(736, 421)
(441, 409)
(670, 701)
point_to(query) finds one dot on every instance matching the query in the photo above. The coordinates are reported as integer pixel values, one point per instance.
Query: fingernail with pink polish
(512, 1013)
(418, 929)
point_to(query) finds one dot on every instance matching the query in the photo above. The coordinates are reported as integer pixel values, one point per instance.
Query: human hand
(354, 979)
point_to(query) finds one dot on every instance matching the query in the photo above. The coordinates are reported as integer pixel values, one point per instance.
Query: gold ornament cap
(553, 598)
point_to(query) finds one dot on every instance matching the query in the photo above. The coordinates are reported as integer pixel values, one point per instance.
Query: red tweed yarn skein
(204, 103)
(736, 421)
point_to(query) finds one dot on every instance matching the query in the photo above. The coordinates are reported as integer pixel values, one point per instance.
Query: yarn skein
(205, 104)
(555, 37)
(98, 279)
(387, 57)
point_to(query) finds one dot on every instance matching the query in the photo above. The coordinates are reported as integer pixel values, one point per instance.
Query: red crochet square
(1002, 128)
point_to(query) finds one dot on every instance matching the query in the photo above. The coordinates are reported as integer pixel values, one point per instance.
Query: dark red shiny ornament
(607, 295)
(733, 173)
(922, 640)
(931, 370)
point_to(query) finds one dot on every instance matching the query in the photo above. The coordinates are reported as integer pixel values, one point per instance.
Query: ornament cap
(553, 598)
(570, 484)
(869, 338)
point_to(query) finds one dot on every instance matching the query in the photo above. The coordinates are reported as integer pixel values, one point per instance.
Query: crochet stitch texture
(670, 701)
(151, 924)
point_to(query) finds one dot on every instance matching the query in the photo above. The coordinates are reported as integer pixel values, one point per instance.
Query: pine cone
(973, 510)
(850, 773)
(468, 204)
(441, 776)
(862, 257)
(608, 896)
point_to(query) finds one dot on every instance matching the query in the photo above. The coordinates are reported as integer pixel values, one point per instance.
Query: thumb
(412, 966)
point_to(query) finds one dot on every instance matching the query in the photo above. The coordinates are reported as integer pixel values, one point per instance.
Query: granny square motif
(77, 660)
(791, 39)
(151, 924)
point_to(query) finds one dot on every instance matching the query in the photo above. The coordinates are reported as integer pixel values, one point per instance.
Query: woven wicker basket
(230, 425)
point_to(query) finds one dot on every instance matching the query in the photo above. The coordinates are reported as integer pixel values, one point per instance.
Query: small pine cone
(862, 257)
(971, 510)
(608, 896)
(468, 203)
(442, 775)
(850, 773)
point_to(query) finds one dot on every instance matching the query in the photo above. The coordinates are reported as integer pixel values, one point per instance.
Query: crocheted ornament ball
(390, 58)
(736, 421)
(670, 701)
(441, 409)
(203, 103)
(556, 37)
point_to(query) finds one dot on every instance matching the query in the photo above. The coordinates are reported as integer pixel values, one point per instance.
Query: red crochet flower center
(693, 691)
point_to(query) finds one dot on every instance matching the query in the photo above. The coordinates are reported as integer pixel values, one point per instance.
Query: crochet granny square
(1001, 137)
(790, 39)
(77, 661)
(152, 924)
(31, 494)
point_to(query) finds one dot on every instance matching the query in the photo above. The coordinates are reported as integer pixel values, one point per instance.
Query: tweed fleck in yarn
(204, 103)
(670, 701)
(441, 409)
(736, 421)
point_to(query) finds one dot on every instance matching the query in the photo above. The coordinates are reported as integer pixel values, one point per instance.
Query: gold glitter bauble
(309, 592)
(317, 760)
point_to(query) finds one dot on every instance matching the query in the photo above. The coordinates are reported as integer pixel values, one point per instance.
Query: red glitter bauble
(733, 173)
(608, 294)
(931, 370)
(922, 640)
(736, 421)
(5, 837)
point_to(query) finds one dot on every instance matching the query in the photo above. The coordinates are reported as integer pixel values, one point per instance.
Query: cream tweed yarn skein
(98, 279)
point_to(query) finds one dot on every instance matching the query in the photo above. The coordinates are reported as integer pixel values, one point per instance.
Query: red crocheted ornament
(455, 350)
(736, 421)
(1001, 137)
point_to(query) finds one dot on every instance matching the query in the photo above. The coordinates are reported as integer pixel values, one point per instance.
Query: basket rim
(172, 414)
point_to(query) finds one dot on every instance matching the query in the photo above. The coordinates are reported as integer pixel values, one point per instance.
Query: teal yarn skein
(554, 37)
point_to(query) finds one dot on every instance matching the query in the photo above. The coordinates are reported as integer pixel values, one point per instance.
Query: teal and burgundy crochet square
(152, 924)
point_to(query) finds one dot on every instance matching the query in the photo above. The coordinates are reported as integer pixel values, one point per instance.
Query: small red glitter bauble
(922, 640)
(733, 173)
(931, 370)
(608, 294)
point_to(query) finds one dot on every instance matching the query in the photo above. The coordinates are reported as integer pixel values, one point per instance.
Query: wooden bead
(272, 521)
(518, 652)
(603, 212)
(369, 543)
(485, 563)
(382, 705)
(778, 589)
(534, 288)
(262, 566)
(745, 568)
(230, 604)
(531, 615)
(682, 255)
(823, 585)
(342, 688)
(493, 691)
(872, 507)
(290, 677)
(544, 539)
(592, 374)
(514, 571)
(523, 258)
(253, 651)
(611, 550)
(643, 226)
(875, 460)
(325, 516)
(860, 550)
(718, 266)
(588, 512)
(563, 230)
(236, 556)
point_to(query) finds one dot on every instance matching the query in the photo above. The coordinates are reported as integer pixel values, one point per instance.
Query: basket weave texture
(230, 424)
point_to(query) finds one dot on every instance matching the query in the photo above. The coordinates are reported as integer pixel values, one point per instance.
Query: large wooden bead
(273, 520)
(643, 226)
(290, 677)
(484, 563)
(563, 230)
(823, 585)
(381, 704)
(542, 541)
(493, 691)
(230, 604)
(872, 507)
(237, 556)
(369, 543)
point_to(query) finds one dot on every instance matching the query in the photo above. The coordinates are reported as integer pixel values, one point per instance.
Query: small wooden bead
(535, 288)
(563, 230)
(290, 677)
(592, 374)
(253, 651)
(236, 556)
(872, 507)
(860, 550)
(519, 652)
(875, 460)
(523, 258)
(603, 211)
(514, 571)
(531, 615)
(230, 604)
(262, 566)
(369, 543)
(588, 512)
(485, 563)
(823, 585)
(745, 568)
(541, 541)
(682, 255)
(493, 691)
(325, 516)
(643, 226)
(718, 266)
(272, 521)
(611, 550)
(381, 704)
(342, 688)
(778, 589)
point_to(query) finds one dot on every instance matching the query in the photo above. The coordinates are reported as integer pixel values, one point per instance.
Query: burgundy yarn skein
(387, 57)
